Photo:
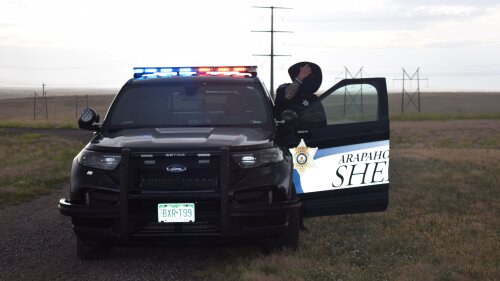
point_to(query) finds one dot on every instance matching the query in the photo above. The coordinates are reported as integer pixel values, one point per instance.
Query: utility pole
(84, 99)
(353, 100)
(40, 108)
(272, 31)
(411, 95)
(45, 100)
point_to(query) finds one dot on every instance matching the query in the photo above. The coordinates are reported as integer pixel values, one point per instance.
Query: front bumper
(219, 213)
(243, 222)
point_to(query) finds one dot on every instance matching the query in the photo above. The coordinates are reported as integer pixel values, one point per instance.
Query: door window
(351, 104)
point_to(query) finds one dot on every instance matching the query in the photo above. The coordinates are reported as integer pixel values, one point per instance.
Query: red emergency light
(156, 72)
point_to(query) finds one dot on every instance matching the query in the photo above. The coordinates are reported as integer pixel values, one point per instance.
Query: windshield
(190, 104)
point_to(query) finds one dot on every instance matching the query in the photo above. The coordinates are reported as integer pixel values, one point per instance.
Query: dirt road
(37, 243)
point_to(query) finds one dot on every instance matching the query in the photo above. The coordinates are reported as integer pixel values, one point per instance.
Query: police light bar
(157, 72)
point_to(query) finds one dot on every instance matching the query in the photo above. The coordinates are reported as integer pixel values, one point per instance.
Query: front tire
(290, 238)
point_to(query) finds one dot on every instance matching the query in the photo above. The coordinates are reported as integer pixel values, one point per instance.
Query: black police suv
(197, 154)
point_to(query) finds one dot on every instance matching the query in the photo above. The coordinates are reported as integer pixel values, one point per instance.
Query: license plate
(176, 212)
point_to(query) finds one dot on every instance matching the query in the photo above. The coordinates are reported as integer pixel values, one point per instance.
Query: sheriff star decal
(303, 157)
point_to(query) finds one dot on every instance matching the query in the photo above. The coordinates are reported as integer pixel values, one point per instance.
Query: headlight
(251, 159)
(99, 160)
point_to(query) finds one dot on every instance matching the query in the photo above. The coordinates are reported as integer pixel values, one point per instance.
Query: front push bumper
(134, 217)
(245, 222)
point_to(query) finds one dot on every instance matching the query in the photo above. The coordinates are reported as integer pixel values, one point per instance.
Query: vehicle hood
(152, 139)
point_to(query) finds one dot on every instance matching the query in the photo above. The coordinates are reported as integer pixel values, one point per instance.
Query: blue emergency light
(157, 72)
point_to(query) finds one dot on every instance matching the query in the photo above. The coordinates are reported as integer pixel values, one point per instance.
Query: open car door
(340, 149)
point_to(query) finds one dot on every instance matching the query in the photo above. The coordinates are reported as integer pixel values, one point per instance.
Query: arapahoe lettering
(365, 156)
(364, 169)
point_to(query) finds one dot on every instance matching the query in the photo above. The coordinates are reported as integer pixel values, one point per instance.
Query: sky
(87, 43)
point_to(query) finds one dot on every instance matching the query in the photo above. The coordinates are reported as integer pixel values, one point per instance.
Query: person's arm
(292, 89)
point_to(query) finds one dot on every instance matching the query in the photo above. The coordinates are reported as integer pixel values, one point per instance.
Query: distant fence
(54, 108)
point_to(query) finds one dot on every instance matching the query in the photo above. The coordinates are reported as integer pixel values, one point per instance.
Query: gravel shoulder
(38, 244)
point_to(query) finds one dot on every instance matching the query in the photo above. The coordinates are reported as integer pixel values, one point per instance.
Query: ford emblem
(176, 168)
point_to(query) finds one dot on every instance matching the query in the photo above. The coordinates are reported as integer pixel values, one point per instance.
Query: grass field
(442, 222)
(33, 164)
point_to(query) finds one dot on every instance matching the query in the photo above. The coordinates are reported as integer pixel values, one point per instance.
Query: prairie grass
(427, 116)
(40, 124)
(33, 164)
(442, 222)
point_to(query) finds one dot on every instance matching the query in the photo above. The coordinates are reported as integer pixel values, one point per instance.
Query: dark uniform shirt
(297, 103)
(313, 118)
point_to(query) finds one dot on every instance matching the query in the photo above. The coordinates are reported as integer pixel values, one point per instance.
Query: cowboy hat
(312, 82)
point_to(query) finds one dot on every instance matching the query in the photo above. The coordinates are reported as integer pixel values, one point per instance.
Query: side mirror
(88, 120)
(289, 116)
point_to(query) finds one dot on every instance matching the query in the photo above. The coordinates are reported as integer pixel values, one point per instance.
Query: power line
(84, 66)
(339, 74)
(272, 55)
(461, 43)
(381, 19)
(403, 45)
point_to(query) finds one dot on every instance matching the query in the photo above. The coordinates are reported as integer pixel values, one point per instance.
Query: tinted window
(190, 104)
(350, 104)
